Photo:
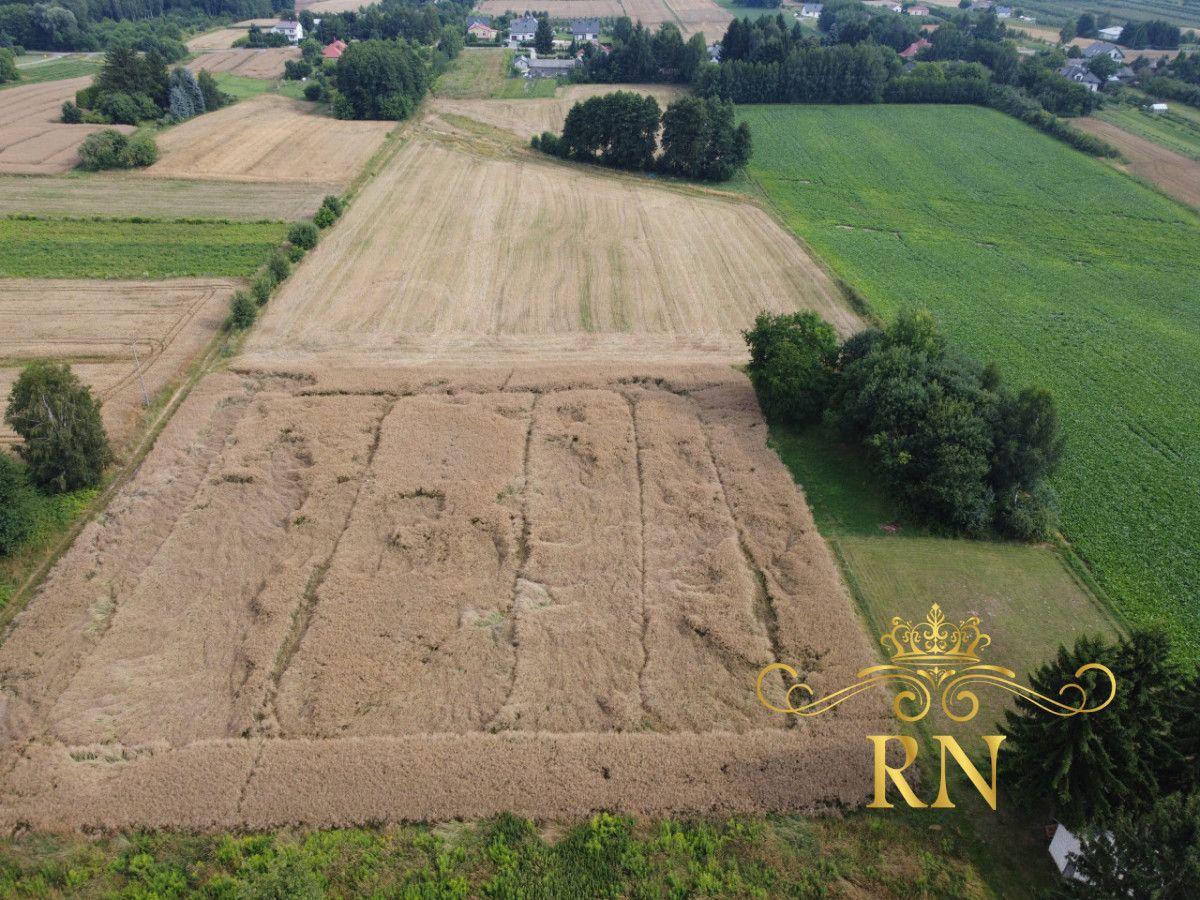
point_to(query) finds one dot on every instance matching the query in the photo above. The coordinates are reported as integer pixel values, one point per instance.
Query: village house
(334, 50)
(294, 31)
(1077, 72)
(585, 30)
(1112, 51)
(1003, 12)
(811, 10)
(917, 11)
(482, 32)
(532, 67)
(523, 29)
(914, 48)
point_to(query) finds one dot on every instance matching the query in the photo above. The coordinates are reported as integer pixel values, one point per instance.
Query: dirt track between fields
(368, 595)
(99, 326)
(1171, 172)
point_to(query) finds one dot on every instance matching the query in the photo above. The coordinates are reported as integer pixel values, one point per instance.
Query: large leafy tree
(1091, 768)
(58, 420)
(618, 129)
(792, 362)
(380, 80)
(700, 139)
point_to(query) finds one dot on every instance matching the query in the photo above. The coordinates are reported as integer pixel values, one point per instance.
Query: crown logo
(935, 642)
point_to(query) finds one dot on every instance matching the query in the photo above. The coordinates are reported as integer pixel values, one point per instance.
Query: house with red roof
(334, 50)
(914, 48)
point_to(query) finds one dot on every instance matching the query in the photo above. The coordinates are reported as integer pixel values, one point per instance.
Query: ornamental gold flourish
(933, 656)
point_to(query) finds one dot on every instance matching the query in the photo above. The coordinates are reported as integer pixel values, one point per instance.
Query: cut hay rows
(97, 326)
(581, 570)
(221, 39)
(267, 64)
(268, 138)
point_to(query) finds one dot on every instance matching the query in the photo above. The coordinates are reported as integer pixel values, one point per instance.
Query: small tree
(792, 359)
(543, 38)
(304, 235)
(8, 66)
(186, 98)
(58, 419)
(242, 311)
(16, 505)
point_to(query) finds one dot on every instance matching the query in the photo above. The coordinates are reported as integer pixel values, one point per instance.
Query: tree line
(699, 137)
(83, 25)
(955, 446)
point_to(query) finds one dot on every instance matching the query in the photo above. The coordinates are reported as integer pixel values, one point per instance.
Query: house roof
(481, 26)
(1101, 47)
(478, 20)
(524, 25)
(585, 26)
(914, 48)
(334, 50)
(812, 8)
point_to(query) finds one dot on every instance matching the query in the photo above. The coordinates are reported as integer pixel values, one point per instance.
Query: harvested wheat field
(451, 255)
(561, 9)
(690, 15)
(267, 64)
(525, 118)
(377, 595)
(99, 326)
(33, 140)
(269, 138)
(221, 39)
(1171, 172)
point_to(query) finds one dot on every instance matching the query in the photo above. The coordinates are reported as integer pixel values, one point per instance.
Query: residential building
(811, 10)
(1079, 74)
(585, 30)
(294, 31)
(917, 11)
(532, 67)
(482, 32)
(1003, 12)
(523, 29)
(1115, 53)
(1111, 33)
(914, 48)
(334, 50)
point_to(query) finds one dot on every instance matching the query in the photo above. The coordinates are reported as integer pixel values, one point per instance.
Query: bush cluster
(330, 211)
(621, 129)
(302, 236)
(955, 446)
(8, 66)
(109, 149)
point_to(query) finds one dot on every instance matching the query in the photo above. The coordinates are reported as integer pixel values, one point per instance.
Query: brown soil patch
(269, 138)
(368, 595)
(221, 39)
(98, 325)
(33, 140)
(454, 255)
(1171, 172)
(267, 64)
(132, 194)
(526, 118)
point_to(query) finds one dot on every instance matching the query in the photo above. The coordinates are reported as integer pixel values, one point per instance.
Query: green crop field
(243, 88)
(74, 248)
(35, 71)
(1062, 270)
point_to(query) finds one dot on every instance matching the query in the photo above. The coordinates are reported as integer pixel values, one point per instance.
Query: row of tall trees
(639, 55)
(955, 446)
(86, 25)
(699, 137)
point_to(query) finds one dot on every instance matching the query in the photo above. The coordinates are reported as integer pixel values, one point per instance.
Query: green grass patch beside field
(1177, 129)
(118, 248)
(243, 88)
(36, 71)
(1065, 272)
(486, 74)
(51, 516)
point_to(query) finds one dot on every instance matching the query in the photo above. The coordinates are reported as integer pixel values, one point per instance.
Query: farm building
(1158, 107)
(1111, 33)
(585, 30)
(914, 48)
(811, 10)
(1004, 12)
(294, 31)
(532, 67)
(1112, 51)
(523, 29)
(334, 50)
(917, 11)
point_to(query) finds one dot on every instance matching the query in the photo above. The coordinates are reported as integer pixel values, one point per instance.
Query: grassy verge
(508, 857)
(487, 75)
(982, 229)
(36, 72)
(243, 88)
(52, 516)
(133, 248)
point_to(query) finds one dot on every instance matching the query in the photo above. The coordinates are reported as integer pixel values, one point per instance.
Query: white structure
(811, 10)
(1064, 847)
(523, 29)
(1112, 51)
(1158, 107)
(293, 30)
(584, 30)
(1111, 33)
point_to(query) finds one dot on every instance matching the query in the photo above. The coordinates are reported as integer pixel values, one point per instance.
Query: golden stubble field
(690, 15)
(371, 595)
(101, 327)
(268, 138)
(266, 63)
(33, 139)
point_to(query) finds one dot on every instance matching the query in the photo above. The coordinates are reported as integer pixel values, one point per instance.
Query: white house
(1075, 71)
(1115, 53)
(918, 10)
(293, 30)
(1112, 33)
(583, 30)
(1004, 12)
(811, 10)
(523, 29)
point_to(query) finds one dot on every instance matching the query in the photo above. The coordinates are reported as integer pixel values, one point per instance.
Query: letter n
(883, 771)
(993, 742)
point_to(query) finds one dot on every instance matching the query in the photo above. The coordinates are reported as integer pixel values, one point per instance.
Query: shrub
(261, 288)
(16, 505)
(304, 235)
(296, 69)
(792, 358)
(58, 419)
(294, 253)
(279, 267)
(214, 98)
(109, 149)
(140, 151)
(8, 66)
(242, 311)
(314, 91)
(324, 217)
(71, 114)
(333, 204)
(127, 109)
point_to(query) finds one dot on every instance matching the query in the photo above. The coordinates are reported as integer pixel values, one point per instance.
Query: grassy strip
(54, 70)
(243, 88)
(507, 857)
(143, 248)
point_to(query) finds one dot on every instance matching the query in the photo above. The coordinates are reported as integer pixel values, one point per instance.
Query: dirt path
(1174, 174)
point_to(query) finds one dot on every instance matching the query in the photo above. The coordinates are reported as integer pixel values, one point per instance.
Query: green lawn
(35, 72)
(1062, 270)
(69, 248)
(244, 88)
(486, 74)
(1178, 129)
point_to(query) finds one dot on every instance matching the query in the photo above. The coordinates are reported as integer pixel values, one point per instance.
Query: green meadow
(126, 248)
(1065, 272)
